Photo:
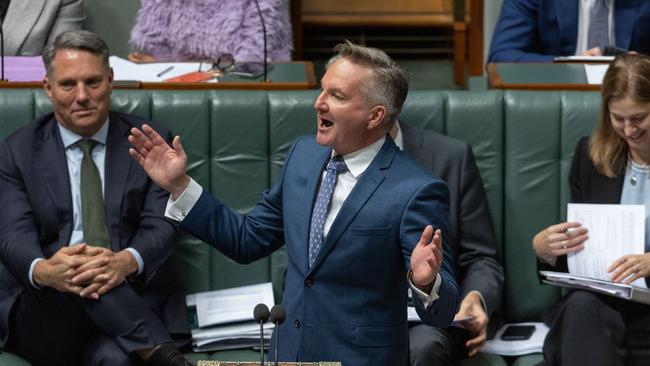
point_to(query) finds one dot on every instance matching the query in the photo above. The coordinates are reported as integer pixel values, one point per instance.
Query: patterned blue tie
(335, 166)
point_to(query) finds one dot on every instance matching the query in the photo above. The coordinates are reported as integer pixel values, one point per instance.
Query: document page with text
(614, 231)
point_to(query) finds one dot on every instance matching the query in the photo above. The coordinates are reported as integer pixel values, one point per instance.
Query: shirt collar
(399, 138)
(358, 161)
(70, 138)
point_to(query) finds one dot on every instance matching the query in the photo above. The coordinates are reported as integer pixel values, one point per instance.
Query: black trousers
(436, 346)
(54, 328)
(592, 329)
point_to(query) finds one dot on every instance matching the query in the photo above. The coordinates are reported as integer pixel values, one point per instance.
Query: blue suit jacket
(350, 306)
(37, 215)
(539, 30)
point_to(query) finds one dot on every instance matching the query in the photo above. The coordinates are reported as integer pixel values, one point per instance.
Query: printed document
(614, 231)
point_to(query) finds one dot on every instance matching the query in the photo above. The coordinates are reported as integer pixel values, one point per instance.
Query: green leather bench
(236, 141)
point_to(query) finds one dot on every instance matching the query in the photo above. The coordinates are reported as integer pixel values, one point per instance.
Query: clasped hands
(569, 237)
(84, 270)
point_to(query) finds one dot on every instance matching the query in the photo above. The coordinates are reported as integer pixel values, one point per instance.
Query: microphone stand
(259, 13)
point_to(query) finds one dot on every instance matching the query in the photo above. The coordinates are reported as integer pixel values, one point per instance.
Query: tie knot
(337, 164)
(87, 145)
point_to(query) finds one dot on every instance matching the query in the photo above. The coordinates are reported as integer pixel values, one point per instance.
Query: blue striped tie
(318, 215)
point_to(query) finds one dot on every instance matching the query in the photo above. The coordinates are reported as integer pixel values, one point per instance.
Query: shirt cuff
(138, 258)
(178, 209)
(427, 299)
(31, 272)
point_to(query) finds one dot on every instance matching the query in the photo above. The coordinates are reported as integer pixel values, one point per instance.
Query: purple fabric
(204, 29)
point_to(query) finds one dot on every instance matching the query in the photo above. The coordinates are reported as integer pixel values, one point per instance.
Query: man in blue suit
(82, 233)
(351, 256)
(540, 30)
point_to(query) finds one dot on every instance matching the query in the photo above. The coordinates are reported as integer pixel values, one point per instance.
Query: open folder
(620, 290)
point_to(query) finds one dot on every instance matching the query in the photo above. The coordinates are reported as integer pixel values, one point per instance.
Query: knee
(430, 347)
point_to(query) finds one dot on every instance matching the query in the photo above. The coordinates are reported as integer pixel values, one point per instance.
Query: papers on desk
(517, 348)
(24, 68)
(152, 72)
(614, 231)
(584, 59)
(595, 73)
(223, 319)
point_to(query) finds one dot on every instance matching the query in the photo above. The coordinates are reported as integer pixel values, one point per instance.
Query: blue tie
(335, 166)
(598, 25)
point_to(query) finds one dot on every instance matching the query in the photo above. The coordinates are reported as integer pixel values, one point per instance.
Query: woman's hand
(560, 239)
(630, 268)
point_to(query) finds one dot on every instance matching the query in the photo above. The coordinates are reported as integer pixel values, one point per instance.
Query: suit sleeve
(69, 17)
(156, 235)
(242, 238)
(516, 34)
(478, 256)
(19, 239)
(429, 206)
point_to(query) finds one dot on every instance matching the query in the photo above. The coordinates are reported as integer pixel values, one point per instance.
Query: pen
(170, 68)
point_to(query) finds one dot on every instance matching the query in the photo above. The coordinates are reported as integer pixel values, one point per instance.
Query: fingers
(475, 344)
(427, 235)
(176, 144)
(627, 269)
(154, 137)
(73, 249)
(91, 291)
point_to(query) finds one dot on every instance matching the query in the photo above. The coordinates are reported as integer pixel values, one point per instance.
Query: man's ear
(376, 117)
(48, 87)
(111, 75)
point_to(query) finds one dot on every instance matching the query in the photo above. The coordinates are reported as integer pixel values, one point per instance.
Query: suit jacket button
(297, 323)
(309, 282)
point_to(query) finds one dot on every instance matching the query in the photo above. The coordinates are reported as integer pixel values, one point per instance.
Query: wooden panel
(377, 7)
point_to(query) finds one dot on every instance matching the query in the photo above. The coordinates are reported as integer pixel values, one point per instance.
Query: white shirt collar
(399, 138)
(358, 161)
(70, 138)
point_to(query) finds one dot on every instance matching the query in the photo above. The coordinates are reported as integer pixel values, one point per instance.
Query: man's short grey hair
(75, 40)
(389, 84)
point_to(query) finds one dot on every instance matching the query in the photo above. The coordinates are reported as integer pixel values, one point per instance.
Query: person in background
(540, 30)
(29, 25)
(83, 237)
(354, 212)
(178, 30)
(473, 246)
(610, 167)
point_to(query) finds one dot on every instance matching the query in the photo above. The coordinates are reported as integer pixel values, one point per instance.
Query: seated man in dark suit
(473, 246)
(83, 236)
(540, 30)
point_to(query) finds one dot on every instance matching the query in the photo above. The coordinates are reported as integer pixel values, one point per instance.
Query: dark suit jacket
(350, 306)
(539, 30)
(37, 219)
(471, 234)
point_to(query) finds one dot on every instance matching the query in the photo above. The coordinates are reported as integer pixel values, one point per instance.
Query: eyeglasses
(224, 64)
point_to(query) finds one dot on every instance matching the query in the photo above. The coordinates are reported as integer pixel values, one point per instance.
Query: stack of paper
(223, 319)
(517, 348)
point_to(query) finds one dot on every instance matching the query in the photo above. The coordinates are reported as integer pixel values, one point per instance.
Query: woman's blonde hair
(628, 76)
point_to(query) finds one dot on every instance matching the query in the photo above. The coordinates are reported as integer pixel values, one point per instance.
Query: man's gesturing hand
(164, 164)
(426, 258)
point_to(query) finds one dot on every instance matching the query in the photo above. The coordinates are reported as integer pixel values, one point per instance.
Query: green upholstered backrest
(236, 142)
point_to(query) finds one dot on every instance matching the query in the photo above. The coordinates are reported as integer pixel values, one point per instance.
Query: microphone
(277, 317)
(261, 315)
(259, 13)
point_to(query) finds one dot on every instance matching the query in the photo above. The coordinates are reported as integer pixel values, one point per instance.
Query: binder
(620, 290)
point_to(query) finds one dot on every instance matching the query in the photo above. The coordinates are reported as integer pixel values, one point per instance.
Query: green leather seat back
(541, 131)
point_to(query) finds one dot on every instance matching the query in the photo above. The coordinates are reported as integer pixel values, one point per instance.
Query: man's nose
(319, 104)
(82, 94)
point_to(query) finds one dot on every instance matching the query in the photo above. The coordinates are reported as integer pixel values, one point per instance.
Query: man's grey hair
(389, 84)
(75, 40)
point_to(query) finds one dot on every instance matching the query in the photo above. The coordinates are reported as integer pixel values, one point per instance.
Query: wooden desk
(282, 76)
(539, 76)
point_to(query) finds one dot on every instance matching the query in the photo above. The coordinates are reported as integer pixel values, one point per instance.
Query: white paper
(148, 72)
(595, 73)
(614, 231)
(517, 348)
(230, 305)
(584, 59)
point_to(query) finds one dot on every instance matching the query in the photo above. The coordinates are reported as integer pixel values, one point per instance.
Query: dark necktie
(598, 25)
(92, 199)
(321, 207)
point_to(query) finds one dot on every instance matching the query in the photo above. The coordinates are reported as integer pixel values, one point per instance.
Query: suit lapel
(368, 183)
(51, 161)
(118, 167)
(566, 13)
(21, 25)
